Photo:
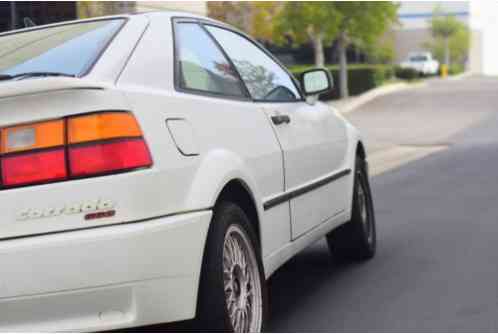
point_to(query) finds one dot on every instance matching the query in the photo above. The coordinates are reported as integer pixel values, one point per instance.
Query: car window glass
(202, 66)
(264, 78)
(418, 58)
(69, 49)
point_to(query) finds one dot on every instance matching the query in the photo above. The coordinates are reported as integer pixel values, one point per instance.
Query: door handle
(280, 119)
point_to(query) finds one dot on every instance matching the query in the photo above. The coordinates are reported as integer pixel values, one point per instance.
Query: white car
(422, 62)
(160, 167)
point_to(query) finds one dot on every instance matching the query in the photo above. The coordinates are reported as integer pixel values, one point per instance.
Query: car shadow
(301, 279)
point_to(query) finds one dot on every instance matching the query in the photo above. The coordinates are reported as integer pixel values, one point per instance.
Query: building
(484, 29)
(481, 17)
(16, 14)
(414, 18)
(13, 14)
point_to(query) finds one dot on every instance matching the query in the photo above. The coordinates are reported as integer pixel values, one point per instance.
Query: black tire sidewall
(361, 176)
(349, 241)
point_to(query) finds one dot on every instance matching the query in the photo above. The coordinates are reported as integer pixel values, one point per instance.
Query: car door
(312, 138)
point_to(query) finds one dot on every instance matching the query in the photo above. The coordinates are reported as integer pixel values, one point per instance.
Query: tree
(348, 22)
(235, 13)
(361, 23)
(264, 17)
(383, 51)
(87, 9)
(451, 38)
(308, 22)
(254, 18)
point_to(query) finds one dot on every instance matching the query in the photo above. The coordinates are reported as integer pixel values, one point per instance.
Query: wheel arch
(222, 174)
(238, 192)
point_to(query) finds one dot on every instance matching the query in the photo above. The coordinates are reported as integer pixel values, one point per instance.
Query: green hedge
(361, 78)
(406, 73)
(456, 69)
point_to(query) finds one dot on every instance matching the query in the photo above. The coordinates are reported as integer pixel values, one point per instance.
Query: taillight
(75, 147)
(105, 143)
(108, 157)
(33, 136)
(36, 167)
(103, 126)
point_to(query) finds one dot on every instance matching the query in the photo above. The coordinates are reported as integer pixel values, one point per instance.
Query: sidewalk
(352, 103)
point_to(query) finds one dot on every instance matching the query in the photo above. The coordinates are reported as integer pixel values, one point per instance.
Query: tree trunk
(318, 49)
(343, 67)
(13, 15)
(447, 51)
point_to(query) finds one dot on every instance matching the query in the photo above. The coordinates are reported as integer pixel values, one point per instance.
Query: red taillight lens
(95, 144)
(101, 158)
(30, 168)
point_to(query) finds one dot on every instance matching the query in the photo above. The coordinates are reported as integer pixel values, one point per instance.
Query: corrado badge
(92, 209)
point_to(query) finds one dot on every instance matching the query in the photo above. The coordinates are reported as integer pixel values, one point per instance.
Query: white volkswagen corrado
(160, 167)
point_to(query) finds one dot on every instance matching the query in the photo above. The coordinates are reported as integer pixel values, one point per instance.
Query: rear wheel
(232, 294)
(356, 240)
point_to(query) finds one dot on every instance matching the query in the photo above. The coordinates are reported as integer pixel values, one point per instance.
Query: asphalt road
(437, 219)
(437, 263)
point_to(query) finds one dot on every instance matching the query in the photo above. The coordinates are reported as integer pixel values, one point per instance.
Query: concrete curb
(461, 76)
(345, 106)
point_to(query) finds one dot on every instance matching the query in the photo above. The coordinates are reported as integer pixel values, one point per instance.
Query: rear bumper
(104, 278)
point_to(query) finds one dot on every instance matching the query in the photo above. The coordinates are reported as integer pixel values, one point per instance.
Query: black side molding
(303, 190)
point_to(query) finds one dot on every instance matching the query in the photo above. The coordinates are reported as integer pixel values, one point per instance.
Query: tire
(224, 303)
(356, 240)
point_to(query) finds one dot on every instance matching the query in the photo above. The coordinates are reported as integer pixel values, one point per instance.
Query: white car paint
(314, 145)
(142, 266)
(422, 62)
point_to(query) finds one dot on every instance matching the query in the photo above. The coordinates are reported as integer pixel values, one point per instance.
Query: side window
(201, 65)
(264, 78)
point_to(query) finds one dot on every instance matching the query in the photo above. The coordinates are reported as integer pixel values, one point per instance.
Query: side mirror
(316, 81)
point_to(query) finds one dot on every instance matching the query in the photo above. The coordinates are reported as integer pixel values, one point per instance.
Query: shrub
(456, 69)
(361, 78)
(406, 73)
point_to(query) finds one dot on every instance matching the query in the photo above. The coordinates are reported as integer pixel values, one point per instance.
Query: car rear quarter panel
(137, 195)
(235, 142)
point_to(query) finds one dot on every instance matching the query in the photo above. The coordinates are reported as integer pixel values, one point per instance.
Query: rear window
(71, 49)
(418, 58)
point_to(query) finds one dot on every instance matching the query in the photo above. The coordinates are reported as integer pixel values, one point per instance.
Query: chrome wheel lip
(242, 284)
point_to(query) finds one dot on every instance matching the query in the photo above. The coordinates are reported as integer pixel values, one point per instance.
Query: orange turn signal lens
(32, 136)
(102, 126)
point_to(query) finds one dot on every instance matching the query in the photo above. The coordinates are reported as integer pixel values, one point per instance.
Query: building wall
(14, 14)
(484, 25)
(407, 41)
(416, 14)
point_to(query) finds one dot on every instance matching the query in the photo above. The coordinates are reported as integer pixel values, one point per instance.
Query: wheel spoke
(242, 321)
(248, 317)
(239, 320)
(238, 255)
